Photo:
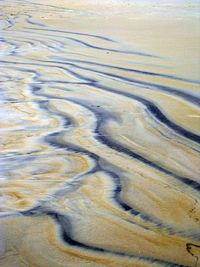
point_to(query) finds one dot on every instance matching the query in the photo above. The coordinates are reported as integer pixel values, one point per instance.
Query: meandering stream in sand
(99, 130)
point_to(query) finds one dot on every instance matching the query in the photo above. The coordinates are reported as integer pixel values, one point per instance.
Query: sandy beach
(100, 133)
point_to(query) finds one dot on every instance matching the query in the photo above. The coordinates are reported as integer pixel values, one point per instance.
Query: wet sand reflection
(99, 135)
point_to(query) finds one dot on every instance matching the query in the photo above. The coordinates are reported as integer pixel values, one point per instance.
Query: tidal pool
(99, 133)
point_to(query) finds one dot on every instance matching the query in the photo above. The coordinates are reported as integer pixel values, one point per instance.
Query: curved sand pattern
(99, 134)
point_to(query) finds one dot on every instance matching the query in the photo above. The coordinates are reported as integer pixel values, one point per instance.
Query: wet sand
(100, 124)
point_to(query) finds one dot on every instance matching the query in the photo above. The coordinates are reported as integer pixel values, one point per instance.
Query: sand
(99, 131)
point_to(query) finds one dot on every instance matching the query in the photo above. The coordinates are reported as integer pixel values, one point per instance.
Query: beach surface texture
(100, 133)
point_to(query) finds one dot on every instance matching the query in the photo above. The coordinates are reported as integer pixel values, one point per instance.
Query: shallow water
(99, 129)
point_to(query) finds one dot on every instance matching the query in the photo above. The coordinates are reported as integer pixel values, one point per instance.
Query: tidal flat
(99, 133)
